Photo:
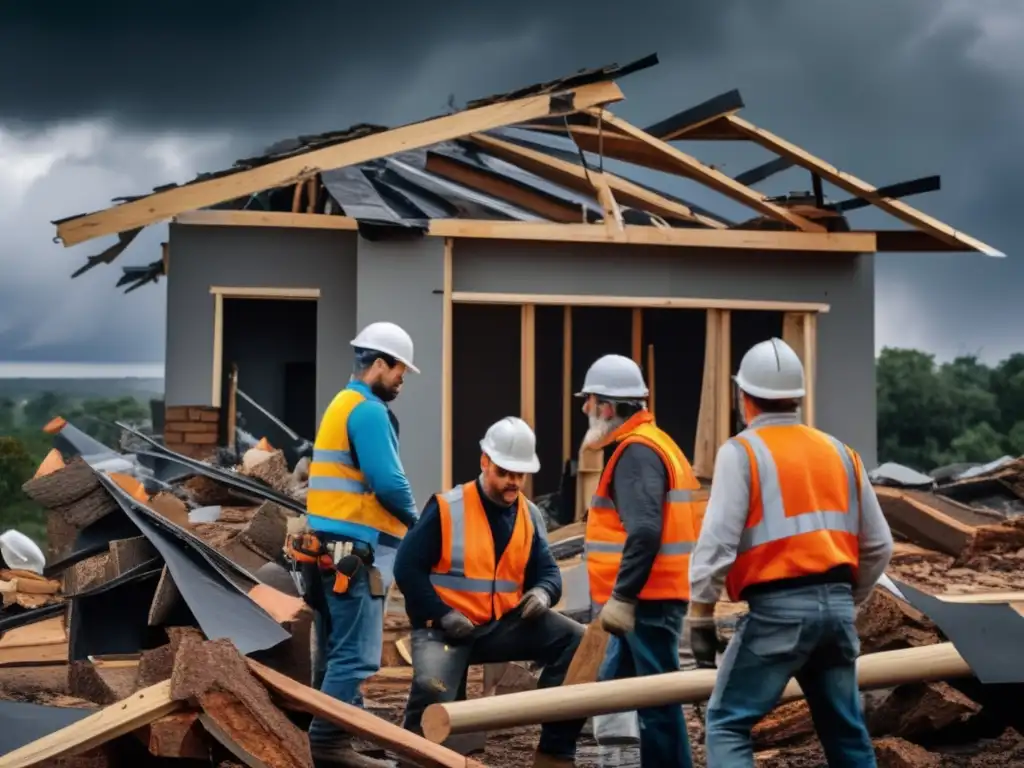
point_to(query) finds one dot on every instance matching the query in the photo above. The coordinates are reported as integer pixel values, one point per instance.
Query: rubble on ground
(181, 549)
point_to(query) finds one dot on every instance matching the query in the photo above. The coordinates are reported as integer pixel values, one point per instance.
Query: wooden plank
(528, 376)
(712, 177)
(650, 378)
(637, 340)
(359, 722)
(922, 523)
(566, 384)
(652, 302)
(232, 416)
(289, 170)
(861, 189)
(633, 234)
(261, 292)
(105, 725)
(723, 379)
(799, 330)
(577, 178)
(706, 444)
(586, 662)
(447, 365)
(266, 219)
(217, 372)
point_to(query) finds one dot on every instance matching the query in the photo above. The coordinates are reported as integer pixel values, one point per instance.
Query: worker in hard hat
(641, 525)
(360, 505)
(793, 527)
(479, 580)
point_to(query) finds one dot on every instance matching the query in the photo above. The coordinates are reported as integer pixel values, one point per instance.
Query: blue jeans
(651, 649)
(440, 666)
(350, 638)
(807, 633)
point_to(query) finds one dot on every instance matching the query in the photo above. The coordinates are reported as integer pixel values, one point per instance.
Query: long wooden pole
(876, 670)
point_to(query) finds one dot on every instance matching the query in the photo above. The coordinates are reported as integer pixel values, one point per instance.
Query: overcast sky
(107, 98)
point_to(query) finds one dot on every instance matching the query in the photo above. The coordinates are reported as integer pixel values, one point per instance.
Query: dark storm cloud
(888, 91)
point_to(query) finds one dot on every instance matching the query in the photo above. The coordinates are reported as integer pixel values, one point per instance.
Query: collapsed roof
(496, 162)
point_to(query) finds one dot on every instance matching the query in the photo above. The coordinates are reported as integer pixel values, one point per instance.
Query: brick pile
(192, 430)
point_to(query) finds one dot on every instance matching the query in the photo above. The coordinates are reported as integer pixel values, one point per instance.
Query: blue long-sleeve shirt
(373, 437)
(421, 550)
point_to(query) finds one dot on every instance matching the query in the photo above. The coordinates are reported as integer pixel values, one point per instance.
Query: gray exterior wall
(846, 334)
(402, 282)
(264, 257)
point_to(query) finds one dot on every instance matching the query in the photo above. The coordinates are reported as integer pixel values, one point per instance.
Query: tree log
(877, 670)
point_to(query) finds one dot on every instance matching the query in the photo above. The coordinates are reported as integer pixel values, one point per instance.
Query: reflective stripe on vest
(806, 541)
(338, 491)
(680, 496)
(467, 578)
(682, 511)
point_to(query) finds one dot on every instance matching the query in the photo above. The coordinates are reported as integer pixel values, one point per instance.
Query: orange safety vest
(466, 577)
(804, 514)
(682, 513)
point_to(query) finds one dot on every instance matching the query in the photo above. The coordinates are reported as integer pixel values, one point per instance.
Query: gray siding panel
(401, 282)
(264, 257)
(846, 345)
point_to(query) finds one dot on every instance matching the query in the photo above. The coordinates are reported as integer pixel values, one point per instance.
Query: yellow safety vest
(337, 487)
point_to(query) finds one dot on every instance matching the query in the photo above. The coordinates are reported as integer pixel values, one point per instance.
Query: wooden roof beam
(164, 205)
(710, 177)
(855, 186)
(575, 177)
(703, 115)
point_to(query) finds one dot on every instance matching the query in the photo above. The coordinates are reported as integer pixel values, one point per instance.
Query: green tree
(16, 466)
(97, 416)
(40, 409)
(8, 412)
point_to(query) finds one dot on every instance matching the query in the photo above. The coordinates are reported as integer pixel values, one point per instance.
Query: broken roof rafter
(289, 170)
(850, 183)
(711, 177)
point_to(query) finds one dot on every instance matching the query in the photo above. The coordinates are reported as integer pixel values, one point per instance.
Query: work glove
(703, 640)
(618, 616)
(456, 626)
(534, 604)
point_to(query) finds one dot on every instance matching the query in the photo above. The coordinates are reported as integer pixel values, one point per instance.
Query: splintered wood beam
(691, 120)
(215, 218)
(102, 726)
(289, 170)
(862, 189)
(711, 177)
(612, 215)
(447, 325)
(577, 177)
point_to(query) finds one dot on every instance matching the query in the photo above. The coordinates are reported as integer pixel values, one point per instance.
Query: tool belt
(315, 554)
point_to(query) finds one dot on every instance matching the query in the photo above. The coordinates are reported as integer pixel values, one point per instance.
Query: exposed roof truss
(415, 177)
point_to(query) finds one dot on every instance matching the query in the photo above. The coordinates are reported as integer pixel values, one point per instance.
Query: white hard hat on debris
(388, 338)
(20, 553)
(615, 377)
(511, 444)
(771, 370)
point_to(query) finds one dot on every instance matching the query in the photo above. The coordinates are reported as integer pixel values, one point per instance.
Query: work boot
(344, 755)
(542, 760)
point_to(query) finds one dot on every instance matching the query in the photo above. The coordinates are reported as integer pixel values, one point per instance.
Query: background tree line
(23, 444)
(929, 415)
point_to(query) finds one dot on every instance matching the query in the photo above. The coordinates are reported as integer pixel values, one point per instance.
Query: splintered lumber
(45, 642)
(105, 725)
(877, 670)
(101, 684)
(213, 674)
(269, 467)
(73, 492)
(176, 735)
(914, 710)
(362, 723)
(918, 517)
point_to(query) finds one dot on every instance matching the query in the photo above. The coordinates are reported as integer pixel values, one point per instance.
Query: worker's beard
(599, 430)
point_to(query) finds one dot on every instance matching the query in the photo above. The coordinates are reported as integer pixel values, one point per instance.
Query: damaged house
(498, 239)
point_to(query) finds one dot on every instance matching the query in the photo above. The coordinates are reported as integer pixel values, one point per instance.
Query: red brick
(171, 438)
(176, 413)
(191, 426)
(201, 438)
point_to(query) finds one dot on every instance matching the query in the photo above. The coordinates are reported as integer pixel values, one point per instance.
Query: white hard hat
(511, 445)
(20, 552)
(614, 376)
(388, 338)
(771, 370)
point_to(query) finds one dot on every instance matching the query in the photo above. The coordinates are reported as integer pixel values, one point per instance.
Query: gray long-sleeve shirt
(726, 518)
(639, 485)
